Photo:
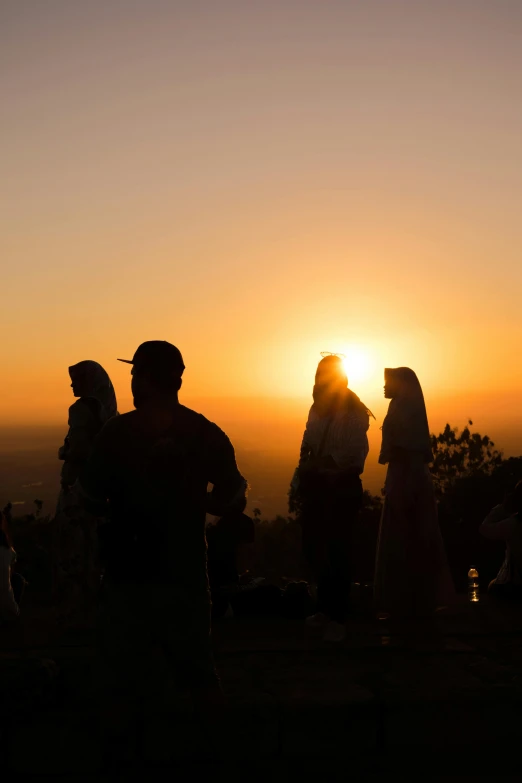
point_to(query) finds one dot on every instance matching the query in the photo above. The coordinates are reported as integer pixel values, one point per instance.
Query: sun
(357, 363)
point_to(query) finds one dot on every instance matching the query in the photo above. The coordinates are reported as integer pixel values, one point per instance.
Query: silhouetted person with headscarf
(95, 405)
(149, 472)
(333, 453)
(76, 570)
(412, 577)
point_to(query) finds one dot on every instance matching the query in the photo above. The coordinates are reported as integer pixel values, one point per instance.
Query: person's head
(331, 382)
(87, 377)
(157, 367)
(401, 382)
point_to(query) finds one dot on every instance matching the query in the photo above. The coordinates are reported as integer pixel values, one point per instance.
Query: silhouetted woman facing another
(412, 577)
(96, 405)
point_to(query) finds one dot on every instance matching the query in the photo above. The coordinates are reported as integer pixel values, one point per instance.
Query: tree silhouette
(457, 456)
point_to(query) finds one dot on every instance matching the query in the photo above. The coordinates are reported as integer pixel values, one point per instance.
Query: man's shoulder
(198, 420)
(120, 422)
(193, 416)
(117, 426)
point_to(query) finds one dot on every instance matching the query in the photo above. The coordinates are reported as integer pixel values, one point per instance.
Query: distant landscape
(29, 470)
(266, 434)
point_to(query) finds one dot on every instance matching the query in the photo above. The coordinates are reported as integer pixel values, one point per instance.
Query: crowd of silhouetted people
(135, 488)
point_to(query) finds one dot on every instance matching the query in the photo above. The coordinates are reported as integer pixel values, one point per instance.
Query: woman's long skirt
(412, 577)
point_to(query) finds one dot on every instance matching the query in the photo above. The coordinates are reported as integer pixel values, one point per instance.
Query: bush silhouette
(471, 476)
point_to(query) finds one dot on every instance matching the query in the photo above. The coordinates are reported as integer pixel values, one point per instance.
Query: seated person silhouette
(230, 543)
(504, 523)
(12, 584)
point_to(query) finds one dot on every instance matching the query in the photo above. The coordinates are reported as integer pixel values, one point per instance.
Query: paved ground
(372, 708)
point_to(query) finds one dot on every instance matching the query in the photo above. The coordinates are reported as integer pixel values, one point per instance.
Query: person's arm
(62, 451)
(498, 525)
(304, 454)
(95, 478)
(229, 486)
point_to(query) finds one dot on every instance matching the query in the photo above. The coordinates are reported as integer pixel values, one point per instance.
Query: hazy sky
(257, 181)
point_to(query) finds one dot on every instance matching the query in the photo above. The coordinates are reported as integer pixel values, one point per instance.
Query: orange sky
(257, 182)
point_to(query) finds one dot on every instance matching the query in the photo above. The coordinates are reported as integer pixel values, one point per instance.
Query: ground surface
(372, 708)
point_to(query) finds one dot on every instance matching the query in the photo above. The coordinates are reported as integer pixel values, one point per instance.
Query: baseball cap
(157, 355)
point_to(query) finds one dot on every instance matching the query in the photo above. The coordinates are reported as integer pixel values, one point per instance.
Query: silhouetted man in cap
(148, 474)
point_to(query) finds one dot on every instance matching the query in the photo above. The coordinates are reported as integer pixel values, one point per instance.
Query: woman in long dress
(412, 577)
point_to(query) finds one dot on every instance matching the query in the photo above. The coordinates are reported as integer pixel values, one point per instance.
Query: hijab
(406, 423)
(97, 385)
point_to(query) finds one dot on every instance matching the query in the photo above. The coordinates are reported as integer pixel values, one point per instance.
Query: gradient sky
(257, 181)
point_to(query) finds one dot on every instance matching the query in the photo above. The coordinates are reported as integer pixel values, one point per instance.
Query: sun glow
(358, 364)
